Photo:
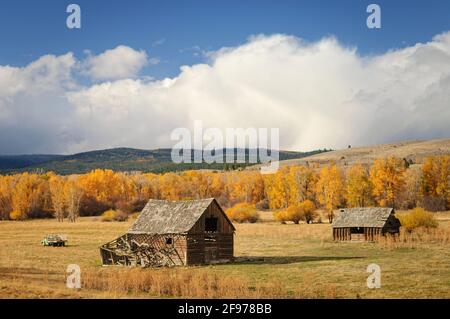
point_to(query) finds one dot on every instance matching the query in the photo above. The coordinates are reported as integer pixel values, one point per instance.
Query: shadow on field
(285, 259)
(28, 274)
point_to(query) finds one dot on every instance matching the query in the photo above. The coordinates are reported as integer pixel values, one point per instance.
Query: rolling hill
(413, 151)
(118, 159)
(21, 161)
(159, 160)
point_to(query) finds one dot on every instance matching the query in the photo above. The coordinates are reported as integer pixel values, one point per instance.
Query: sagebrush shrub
(242, 213)
(418, 217)
(305, 211)
(114, 215)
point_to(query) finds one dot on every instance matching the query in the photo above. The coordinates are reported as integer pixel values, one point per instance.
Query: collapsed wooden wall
(145, 251)
(154, 251)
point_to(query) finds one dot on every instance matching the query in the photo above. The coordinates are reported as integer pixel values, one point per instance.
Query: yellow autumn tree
(150, 187)
(412, 196)
(5, 196)
(387, 178)
(217, 185)
(27, 196)
(56, 184)
(309, 211)
(303, 211)
(281, 216)
(100, 185)
(107, 187)
(359, 188)
(301, 181)
(171, 186)
(294, 213)
(436, 178)
(246, 186)
(144, 186)
(72, 198)
(198, 184)
(330, 189)
(277, 189)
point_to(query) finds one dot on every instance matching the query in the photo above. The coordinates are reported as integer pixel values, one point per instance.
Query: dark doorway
(357, 230)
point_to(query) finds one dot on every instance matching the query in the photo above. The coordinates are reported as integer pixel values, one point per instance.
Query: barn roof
(362, 217)
(169, 217)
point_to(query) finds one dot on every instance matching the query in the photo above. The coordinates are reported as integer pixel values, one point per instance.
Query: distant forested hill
(20, 161)
(118, 159)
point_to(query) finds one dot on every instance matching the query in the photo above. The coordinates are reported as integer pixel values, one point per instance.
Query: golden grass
(179, 282)
(417, 238)
(273, 261)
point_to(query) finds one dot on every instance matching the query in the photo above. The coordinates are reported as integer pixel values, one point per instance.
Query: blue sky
(176, 32)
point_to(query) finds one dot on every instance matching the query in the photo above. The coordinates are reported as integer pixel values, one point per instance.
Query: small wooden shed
(174, 233)
(364, 223)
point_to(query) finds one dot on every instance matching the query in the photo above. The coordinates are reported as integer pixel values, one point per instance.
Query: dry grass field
(274, 260)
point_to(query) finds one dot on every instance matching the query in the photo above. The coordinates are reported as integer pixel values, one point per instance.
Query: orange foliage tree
(244, 187)
(5, 196)
(72, 198)
(303, 211)
(359, 188)
(300, 182)
(28, 195)
(412, 195)
(106, 188)
(330, 189)
(293, 190)
(56, 184)
(387, 179)
(436, 178)
(277, 190)
(290, 185)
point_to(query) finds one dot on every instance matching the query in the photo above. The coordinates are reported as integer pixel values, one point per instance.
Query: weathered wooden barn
(174, 233)
(364, 223)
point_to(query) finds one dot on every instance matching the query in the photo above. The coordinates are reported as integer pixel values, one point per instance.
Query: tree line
(295, 192)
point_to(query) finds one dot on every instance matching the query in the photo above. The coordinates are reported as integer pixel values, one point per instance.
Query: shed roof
(362, 217)
(169, 217)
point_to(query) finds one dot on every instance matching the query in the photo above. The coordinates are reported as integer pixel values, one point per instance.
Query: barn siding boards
(224, 225)
(371, 222)
(174, 234)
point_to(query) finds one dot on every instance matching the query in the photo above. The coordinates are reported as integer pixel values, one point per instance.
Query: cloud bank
(319, 94)
(121, 62)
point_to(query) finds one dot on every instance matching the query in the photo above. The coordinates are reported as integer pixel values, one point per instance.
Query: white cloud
(47, 73)
(34, 113)
(319, 94)
(119, 63)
